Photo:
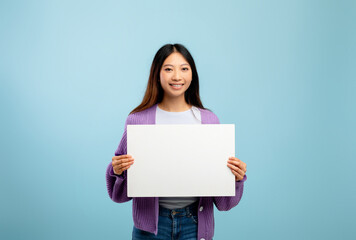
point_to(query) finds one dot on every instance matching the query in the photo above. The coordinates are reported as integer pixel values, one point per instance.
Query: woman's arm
(226, 203)
(117, 184)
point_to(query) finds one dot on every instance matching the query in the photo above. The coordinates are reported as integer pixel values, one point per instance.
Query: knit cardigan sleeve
(117, 184)
(226, 203)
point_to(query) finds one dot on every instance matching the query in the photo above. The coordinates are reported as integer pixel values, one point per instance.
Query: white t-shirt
(191, 116)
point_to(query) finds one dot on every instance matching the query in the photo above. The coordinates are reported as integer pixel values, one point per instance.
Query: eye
(167, 69)
(185, 69)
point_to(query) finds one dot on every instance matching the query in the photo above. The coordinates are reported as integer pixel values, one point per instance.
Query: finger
(124, 169)
(120, 161)
(122, 156)
(123, 165)
(242, 166)
(236, 169)
(239, 164)
(234, 162)
(237, 175)
(120, 170)
(234, 158)
(117, 162)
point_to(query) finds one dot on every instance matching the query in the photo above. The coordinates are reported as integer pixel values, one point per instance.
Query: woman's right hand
(121, 163)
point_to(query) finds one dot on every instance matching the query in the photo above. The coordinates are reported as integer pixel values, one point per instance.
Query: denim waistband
(192, 209)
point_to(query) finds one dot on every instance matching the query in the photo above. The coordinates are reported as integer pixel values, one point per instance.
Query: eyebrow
(172, 65)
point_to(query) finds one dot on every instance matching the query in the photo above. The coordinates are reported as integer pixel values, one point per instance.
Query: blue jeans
(180, 223)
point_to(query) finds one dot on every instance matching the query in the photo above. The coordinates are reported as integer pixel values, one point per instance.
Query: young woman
(172, 97)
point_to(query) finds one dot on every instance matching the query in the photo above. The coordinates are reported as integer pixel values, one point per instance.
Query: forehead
(175, 58)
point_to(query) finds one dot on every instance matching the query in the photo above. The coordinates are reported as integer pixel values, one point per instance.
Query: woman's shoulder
(208, 116)
(143, 116)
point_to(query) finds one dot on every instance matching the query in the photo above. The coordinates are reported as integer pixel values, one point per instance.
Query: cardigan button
(202, 239)
(201, 209)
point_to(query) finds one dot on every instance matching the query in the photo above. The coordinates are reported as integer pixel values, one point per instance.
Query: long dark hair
(154, 91)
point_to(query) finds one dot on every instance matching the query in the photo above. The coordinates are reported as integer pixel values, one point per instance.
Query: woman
(172, 97)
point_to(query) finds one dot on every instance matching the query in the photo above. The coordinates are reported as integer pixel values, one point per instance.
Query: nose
(176, 76)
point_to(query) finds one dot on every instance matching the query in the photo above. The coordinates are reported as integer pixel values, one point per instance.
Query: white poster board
(176, 160)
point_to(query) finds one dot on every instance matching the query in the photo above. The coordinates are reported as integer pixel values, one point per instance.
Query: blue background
(282, 71)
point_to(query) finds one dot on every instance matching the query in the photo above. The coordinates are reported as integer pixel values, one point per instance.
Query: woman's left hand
(238, 167)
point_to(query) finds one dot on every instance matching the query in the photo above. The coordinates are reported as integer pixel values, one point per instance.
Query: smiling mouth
(176, 86)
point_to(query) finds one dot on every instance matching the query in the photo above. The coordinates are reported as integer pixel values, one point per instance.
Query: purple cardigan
(145, 210)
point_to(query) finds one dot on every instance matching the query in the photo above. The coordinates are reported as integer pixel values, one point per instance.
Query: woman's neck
(174, 105)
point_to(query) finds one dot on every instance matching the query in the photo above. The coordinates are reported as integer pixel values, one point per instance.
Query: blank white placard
(176, 160)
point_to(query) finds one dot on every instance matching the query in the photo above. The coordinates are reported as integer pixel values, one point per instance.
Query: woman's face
(175, 75)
